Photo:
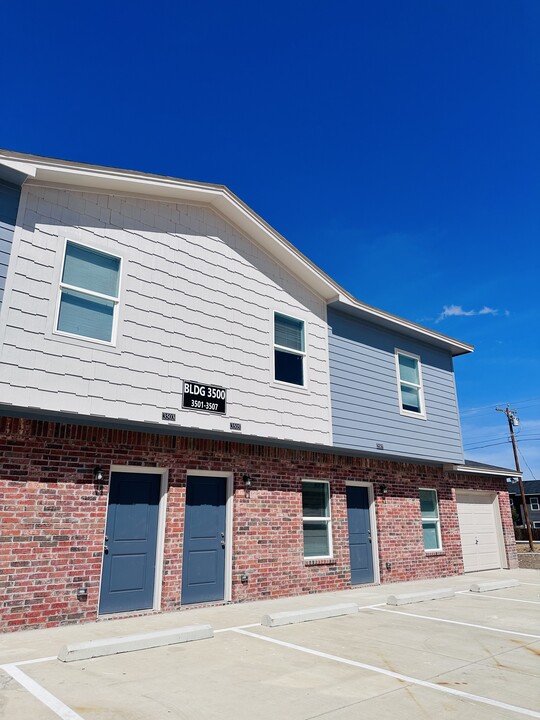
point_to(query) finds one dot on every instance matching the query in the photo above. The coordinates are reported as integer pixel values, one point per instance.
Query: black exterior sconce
(98, 479)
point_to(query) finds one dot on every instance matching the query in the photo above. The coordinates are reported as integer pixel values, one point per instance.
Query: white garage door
(478, 520)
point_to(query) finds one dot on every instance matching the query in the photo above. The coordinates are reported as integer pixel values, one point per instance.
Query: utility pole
(512, 418)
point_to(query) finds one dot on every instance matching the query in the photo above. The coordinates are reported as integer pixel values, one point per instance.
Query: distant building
(532, 498)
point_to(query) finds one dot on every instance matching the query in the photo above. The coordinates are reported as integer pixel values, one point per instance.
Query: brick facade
(53, 516)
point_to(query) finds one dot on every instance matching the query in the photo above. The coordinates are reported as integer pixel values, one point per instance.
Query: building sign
(196, 396)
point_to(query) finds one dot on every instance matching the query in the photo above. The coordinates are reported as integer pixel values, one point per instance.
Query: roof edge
(247, 220)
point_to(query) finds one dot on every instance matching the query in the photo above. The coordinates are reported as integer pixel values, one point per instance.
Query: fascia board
(230, 206)
(217, 196)
(348, 304)
(470, 470)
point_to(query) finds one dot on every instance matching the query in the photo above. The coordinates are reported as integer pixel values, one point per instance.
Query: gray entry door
(129, 559)
(359, 535)
(203, 568)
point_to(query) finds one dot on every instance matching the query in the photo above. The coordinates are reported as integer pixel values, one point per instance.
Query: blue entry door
(203, 568)
(359, 535)
(129, 553)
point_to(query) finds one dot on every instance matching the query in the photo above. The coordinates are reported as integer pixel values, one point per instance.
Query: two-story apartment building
(191, 411)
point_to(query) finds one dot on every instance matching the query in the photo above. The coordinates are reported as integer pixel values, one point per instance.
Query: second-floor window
(289, 350)
(89, 293)
(411, 393)
(535, 505)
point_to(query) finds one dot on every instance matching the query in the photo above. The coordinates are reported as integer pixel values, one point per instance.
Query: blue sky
(396, 143)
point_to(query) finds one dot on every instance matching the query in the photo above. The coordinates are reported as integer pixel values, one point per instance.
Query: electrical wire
(527, 464)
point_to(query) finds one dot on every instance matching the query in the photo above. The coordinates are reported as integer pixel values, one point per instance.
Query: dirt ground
(528, 559)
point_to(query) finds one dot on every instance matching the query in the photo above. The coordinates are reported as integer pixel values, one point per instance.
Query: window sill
(434, 552)
(279, 385)
(410, 414)
(78, 341)
(309, 562)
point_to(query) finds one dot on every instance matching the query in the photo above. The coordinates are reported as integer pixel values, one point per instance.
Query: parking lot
(470, 656)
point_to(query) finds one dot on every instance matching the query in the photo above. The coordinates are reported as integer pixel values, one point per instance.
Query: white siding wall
(197, 304)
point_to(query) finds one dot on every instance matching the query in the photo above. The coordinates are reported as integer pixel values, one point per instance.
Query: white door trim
(229, 502)
(373, 526)
(162, 516)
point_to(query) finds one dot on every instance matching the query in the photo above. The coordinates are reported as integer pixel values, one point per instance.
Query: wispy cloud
(458, 311)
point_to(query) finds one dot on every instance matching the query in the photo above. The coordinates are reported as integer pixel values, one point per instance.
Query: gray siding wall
(9, 204)
(196, 303)
(364, 392)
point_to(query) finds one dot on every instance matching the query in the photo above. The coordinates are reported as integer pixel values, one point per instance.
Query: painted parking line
(33, 662)
(457, 622)
(38, 691)
(496, 597)
(398, 676)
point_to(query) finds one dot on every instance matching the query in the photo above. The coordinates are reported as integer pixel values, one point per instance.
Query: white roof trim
(229, 205)
(472, 470)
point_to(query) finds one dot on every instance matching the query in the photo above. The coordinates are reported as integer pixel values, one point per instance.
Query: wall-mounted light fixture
(247, 481)
(98, 479)
(383, 489)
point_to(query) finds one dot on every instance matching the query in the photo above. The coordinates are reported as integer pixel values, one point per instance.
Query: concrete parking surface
(471, 656)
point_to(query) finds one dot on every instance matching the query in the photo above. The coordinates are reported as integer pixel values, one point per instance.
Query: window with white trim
(431, 525)
(316, 519)
(89, 293)
(536, 524)
(535, 505)
(411, 393)
(289, 350)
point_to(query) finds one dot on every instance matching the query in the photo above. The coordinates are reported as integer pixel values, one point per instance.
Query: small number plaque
(171, 417)
(236, 426)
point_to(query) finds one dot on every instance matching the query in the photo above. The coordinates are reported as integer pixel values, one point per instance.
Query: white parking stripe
(53, 703)
(457, 622)
(37, 660)
(238, 627)
(495, 597)
(397, 676)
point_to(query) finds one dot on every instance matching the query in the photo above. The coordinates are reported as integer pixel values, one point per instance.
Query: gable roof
(18, 167)
(531, 487)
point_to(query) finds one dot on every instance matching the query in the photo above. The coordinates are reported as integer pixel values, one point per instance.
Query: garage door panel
(478, 531)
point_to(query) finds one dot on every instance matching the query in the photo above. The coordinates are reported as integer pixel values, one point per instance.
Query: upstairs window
(289, 350)
(89, 294)
(431, 526)
(535, 505)
(411, 394)
(316, 519)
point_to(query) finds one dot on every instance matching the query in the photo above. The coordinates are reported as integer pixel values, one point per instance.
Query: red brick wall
(53, 516)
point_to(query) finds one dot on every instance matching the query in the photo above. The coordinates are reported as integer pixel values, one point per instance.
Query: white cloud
(458, 311)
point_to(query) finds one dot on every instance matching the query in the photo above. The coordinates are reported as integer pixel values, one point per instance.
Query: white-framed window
(535, 505)
(89, 293)
(316, 519)
(289, 350)
(431, 525)
(536, 524)
(410, 389)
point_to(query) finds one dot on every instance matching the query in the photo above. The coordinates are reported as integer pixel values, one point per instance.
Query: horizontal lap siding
(196, 304)
(9, 204)
(365, 403)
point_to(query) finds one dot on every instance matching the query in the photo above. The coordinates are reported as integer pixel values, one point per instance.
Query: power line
(535, 439)
(488, 408)
(527, 464)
